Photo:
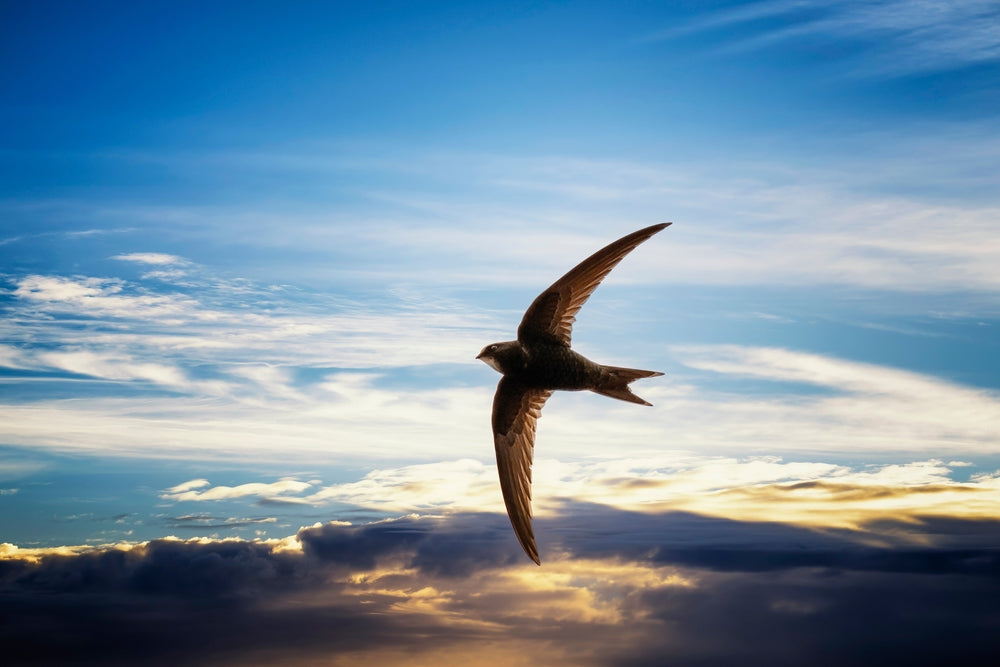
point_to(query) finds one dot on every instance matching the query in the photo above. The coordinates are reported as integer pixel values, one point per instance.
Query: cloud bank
(619, 588)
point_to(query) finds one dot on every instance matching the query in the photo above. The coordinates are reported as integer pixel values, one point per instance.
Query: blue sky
(248, 252)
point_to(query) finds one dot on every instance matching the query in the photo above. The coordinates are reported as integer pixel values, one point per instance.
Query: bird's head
(502, 357)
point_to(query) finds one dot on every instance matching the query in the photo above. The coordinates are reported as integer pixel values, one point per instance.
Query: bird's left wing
(551, 315)
(516, 410)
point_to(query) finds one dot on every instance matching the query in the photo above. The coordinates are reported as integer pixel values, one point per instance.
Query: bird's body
(544, 365)
(541, 361)
(548, 365)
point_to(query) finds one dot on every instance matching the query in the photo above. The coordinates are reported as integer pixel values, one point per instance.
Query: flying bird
(541, 361)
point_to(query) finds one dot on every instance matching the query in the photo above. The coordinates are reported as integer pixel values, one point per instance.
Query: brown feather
(515, 413)
(552, 314)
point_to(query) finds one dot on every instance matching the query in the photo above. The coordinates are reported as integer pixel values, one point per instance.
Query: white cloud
(13, 357)
(188, 486)
(361, 419)
(140, 327)
(156, 258)
(99, 297)
(195, 490)
(113, 368)
(448, 485)
(874, 408)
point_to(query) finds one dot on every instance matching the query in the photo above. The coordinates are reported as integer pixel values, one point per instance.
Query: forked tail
(614, 383)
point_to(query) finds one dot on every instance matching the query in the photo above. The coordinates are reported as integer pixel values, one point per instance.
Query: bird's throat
(493, 363)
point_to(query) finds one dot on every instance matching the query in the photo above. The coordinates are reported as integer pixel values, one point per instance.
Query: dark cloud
(615, 588)
(816, 616)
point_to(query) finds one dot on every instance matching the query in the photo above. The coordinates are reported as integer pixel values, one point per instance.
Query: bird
(542, 361)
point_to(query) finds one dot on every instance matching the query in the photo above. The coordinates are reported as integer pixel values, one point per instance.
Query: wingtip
(654, 229)
(530, 549)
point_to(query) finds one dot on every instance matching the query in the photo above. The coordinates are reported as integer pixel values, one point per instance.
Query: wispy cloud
(896, 37)
(873, 408)
(100, 297)
(914, 214)
(204, 522)
(861, 408)
(113, 368)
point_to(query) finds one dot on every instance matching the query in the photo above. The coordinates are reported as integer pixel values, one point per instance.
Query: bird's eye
(493, 348)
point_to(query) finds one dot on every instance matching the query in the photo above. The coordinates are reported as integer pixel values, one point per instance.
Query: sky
(249, 251)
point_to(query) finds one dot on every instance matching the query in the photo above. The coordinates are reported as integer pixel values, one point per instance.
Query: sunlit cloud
(194, 490)
(821, 496)
(464, 484)
(761, 489)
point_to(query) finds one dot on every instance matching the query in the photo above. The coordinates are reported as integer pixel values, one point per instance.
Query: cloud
(822, 405)
(896, 37)
(112, 368)
(744, 222)
(871, 406)
(256, 329)
(620, 588)
(188, 486)
(155, 258)
(195, 490)
(210, 522)
(915, 216)
(443, 486)
(819, 495)
(99, 297)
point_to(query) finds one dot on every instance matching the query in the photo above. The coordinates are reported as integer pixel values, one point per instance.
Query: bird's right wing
(551, 315)
(516, 410)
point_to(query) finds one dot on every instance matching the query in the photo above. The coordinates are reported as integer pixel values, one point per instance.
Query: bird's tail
(614, 383)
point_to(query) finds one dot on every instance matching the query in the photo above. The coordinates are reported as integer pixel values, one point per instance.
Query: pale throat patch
(493, 364)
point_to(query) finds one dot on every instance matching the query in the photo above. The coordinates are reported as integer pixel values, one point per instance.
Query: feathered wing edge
(553, 312)
(515, 414)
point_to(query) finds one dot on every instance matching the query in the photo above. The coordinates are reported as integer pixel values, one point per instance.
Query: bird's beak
(479, 356)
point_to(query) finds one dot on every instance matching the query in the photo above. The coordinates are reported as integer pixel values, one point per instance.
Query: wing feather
(552, 313)
(516, 410)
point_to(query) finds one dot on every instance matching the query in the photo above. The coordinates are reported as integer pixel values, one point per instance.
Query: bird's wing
(516, 410)
(551, 315)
